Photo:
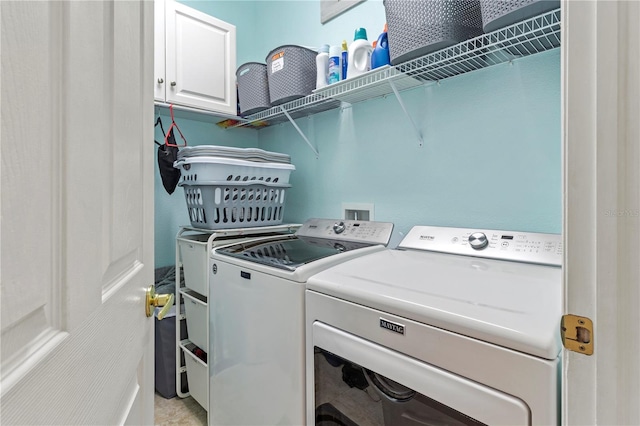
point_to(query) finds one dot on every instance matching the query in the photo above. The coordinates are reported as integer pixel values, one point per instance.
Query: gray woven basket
(500, 13)
(291, 71)
(419, 27)
(253, 88)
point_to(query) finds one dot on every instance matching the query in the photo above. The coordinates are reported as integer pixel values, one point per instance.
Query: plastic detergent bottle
(359, 58)
(380, 54)
(334, 64)
(322, 66)
(344, 57)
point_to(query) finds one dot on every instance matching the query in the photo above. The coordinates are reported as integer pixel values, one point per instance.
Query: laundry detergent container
(291, 72)
(419, 27)
(497, 14)
(253, 88)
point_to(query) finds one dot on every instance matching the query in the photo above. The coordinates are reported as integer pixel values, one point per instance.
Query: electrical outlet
(357, 211)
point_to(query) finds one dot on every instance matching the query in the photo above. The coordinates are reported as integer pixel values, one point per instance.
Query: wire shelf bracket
(295, 125)
(406, 112)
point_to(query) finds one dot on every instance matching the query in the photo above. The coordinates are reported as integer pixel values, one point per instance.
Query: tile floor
(187, 412)
(178, 411)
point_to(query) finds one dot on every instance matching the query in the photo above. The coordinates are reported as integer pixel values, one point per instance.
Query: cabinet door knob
(173, 83)
(160, 81)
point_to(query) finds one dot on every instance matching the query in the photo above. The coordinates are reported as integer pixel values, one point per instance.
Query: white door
(601, 134)
(200, 59)
(76, 212)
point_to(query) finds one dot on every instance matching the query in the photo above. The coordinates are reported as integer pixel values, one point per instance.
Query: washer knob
(339, 228)
(478, 240)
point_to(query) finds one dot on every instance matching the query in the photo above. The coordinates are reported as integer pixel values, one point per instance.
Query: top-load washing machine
(456, 326)
(257, 329)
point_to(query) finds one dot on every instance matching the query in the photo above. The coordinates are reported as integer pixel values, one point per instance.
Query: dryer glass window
(348, 394)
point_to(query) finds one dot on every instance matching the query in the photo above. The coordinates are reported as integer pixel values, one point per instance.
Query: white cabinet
(195, 59)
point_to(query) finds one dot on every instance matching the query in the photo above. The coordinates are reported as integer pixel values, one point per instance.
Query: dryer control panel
(361, 231)
(529, 247)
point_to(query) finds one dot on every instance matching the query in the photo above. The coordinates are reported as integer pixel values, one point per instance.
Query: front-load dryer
(456, 326)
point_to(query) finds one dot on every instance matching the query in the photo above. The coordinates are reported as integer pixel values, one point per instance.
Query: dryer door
(358, 382)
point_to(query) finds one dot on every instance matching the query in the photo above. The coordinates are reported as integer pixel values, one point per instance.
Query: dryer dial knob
(478, 240)
(339, 228)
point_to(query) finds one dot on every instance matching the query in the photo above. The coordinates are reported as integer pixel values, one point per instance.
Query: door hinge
(577, 334)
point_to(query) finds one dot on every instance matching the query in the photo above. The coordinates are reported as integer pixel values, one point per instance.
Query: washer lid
(511, 304)
(316, 239)
(289, 253)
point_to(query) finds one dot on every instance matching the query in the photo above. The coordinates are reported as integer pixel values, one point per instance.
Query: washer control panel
(347, 230)
(527, 247)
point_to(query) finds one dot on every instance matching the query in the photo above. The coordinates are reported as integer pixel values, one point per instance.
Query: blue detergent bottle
(344, 60)
(380, 54)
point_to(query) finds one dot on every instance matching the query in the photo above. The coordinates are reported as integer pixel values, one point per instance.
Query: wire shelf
(525, 38)
(531, 36)
(370, 85)
(311, 104)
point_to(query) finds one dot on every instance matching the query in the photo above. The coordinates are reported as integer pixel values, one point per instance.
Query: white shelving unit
(528, 37)
(193, 250)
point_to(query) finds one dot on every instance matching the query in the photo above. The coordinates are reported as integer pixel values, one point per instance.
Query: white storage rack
(528, 37)
(201, 242)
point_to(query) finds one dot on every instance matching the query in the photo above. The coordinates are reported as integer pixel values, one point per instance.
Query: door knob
(152, 300)
(160, 80)
(173, 83)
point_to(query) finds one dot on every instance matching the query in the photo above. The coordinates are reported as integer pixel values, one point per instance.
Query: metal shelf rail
(525, 38)
(534, 35)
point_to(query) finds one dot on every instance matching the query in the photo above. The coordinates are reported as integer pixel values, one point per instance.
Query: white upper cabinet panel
(158, 51)
(200, 60)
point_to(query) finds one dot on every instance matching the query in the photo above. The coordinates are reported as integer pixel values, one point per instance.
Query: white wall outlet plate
(358, 211)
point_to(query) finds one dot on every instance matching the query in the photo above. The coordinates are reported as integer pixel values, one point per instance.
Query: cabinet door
(159, 80)
(200, 60)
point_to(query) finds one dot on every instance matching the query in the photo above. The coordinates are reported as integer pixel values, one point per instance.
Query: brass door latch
(577, 334)
(152, 300)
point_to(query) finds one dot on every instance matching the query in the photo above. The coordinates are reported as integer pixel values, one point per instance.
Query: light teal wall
(491, 156)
